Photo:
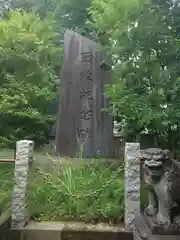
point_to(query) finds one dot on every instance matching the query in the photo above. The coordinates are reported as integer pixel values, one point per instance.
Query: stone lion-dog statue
(162, 181)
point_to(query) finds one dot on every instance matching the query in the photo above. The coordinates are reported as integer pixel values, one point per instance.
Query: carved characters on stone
(87, 57)
(85, 113)
(86, 74)
(85, 95)
(162, 180)
(85, 133)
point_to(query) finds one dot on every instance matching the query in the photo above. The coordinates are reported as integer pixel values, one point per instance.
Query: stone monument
(81, 123)
(162, 180)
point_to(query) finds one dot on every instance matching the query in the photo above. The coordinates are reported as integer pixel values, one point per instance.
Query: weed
(89, 192)
(6, 177)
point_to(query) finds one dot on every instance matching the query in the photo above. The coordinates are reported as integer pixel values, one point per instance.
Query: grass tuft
(89, 192)
(6, 180)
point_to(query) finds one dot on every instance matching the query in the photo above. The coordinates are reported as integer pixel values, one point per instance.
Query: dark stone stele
(161, 218)
(80, 120)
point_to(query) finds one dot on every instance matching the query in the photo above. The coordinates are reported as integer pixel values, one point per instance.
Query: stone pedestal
(146, 230)
(174, 229)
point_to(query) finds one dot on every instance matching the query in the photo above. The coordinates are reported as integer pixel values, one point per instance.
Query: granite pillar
(24, 156)
(132, 184)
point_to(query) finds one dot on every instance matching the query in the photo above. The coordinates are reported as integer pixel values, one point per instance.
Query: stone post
(132, 184)
(24, 156)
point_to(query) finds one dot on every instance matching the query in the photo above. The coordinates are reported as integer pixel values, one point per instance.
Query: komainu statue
(162, 180)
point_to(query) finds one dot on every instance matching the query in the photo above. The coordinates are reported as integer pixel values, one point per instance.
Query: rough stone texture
(4, 5)
(136, 235)
(24, 156)
(72, 231)
(81, 123)
(132, 184)
(145, 233)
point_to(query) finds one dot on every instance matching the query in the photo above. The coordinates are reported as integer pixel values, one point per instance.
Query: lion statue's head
(155, 161)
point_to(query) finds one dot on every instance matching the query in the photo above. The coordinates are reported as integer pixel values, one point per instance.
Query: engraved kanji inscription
(86, 74)
(86, 114)
(85, 94)
(86, 57)
(85, 133)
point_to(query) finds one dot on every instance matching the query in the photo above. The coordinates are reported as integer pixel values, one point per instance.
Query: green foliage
(71, 189)
(144, 37)
(90, 192)
(28, 58)
(6, 177)
(71, 14)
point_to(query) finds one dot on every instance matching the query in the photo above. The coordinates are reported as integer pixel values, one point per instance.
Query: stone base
(174, 229)
(145, 233)
(69, 231)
